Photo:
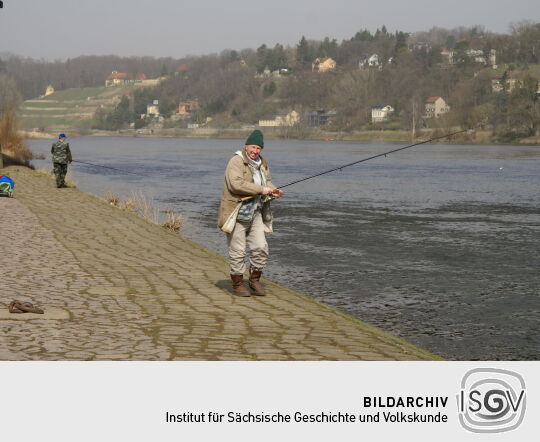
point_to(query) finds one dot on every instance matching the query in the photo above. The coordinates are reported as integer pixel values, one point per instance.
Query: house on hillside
(381, 112)
(320, 117)
(181, 70)
(152, 110)
(122, 78)
(505, 82)
(479, 56)
(280, 120)
(420, 46)
(477, 52)
(238, 64)
(323, 64)
(497, 85)
(267, 73)
(49, 90)
(186, 108)
(480, 52)
(446, 54)
(369, 61)
(435, 107)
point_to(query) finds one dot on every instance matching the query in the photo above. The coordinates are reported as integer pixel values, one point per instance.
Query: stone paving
(116, 287)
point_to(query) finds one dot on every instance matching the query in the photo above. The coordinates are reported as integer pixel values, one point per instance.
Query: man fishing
(61, 156)
(246, 222)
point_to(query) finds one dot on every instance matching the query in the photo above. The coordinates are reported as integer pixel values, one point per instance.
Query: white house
(435, 107)
(369, 62)
(153, 109)
(381, 112)
(475, 55)
(505, 83)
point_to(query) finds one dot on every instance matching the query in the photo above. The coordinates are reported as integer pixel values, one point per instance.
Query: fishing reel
(267, 198)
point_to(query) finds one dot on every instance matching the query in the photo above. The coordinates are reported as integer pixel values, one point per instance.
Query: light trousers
(252, 235)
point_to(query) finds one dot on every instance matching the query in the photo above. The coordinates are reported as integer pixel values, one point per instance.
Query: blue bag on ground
(6, 186)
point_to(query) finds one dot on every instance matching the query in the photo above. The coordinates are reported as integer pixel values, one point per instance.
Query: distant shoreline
(477, 138)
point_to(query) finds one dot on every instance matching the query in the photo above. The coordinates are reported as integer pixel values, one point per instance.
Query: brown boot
(238, 286)
(254, 282)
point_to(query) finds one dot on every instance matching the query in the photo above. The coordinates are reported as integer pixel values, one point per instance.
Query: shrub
(12, 146)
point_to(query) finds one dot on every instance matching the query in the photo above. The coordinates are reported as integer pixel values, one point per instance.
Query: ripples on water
(436, 244)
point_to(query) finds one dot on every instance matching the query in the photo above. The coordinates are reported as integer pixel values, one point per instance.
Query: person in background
(61, 157)
(247, 175)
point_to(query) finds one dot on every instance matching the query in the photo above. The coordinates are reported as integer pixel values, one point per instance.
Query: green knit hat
(256, 137)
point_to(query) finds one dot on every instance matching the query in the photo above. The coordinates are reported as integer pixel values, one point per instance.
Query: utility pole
(536, 105)
(414, 119)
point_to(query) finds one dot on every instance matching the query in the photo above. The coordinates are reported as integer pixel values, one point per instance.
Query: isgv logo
(491, 400)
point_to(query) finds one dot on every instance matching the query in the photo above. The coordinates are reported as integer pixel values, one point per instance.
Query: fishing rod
(362, 161)
(106, 167)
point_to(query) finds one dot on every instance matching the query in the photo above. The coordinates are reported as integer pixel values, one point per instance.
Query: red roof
(432, 99)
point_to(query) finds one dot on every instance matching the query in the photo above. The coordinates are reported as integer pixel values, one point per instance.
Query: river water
(438, 244)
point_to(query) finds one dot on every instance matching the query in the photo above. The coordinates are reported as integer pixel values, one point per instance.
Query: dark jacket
(61, 153)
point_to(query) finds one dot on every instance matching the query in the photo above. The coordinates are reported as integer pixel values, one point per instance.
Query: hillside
(381, 82)
(72, 109)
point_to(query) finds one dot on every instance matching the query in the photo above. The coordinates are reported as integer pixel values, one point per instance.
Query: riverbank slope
(116, 287)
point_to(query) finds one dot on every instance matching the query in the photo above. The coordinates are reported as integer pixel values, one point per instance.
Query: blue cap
(62, 136)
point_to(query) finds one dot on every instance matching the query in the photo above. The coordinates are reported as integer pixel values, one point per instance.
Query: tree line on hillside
(33, 76)
(235, 88)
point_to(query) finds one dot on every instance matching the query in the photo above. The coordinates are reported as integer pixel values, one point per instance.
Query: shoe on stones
(24, 307)
(255, 283)
(238, 286)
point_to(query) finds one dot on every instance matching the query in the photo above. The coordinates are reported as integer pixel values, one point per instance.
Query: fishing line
(371, 158)
(107, 167)
(269, 198)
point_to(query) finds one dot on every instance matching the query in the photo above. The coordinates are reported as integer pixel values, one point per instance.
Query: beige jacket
(238, 183)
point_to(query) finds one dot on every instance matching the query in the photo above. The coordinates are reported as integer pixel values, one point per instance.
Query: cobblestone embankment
(115, 287)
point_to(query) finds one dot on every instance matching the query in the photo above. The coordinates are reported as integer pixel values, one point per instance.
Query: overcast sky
(58, 29)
